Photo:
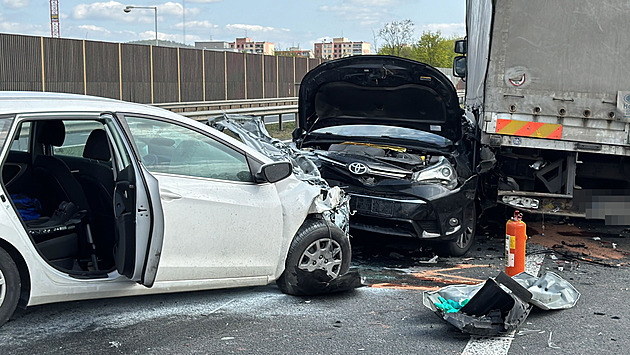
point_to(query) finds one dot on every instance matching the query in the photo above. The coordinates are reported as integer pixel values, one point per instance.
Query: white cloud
(23, 28)
(196, 25)
(105, 10)
(447, 29)
(364, 12)
(204, 1)
(15, 4)
(254, 28)
(101, 30)
(113, 10)
(161, 36)
(175, 9)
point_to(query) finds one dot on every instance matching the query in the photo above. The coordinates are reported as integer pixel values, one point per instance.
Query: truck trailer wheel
(9, 286)
(319, 253)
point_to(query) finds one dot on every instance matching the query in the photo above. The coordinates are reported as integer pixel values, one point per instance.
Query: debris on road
(500, 305)
(550, 291)
(433, 260)
(550, 344)
(114, 344)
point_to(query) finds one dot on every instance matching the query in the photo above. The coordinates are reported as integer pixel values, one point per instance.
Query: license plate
(383, 208)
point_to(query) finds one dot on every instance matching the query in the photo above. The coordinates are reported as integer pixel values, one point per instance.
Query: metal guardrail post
(280, 122)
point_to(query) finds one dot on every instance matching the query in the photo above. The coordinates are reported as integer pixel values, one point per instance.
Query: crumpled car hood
(381, 90)
(332, 203)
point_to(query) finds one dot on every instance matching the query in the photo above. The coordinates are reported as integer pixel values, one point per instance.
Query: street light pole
(128, 8)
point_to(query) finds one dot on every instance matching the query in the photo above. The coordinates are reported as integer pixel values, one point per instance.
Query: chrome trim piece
(455, 230)
(330, 160)
(418, 202)
(426, 234)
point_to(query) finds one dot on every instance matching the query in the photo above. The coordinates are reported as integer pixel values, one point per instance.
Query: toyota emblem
(357, 168)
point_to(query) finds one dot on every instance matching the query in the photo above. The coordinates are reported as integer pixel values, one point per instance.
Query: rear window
(5, 126)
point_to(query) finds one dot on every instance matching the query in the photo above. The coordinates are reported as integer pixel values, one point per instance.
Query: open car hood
(381, 90)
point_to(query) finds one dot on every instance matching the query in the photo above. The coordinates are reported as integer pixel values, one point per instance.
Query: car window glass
(21, 141)
(120, 153)
(165, 147)
(77, 133)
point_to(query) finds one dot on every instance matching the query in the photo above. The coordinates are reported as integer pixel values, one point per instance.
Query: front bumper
(414, 210)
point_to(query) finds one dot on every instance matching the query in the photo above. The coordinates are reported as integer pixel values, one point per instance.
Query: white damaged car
(104, 198)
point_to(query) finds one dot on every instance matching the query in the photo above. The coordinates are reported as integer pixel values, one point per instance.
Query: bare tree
(397, 35)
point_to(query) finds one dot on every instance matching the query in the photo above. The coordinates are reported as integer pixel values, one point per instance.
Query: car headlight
(441, 173)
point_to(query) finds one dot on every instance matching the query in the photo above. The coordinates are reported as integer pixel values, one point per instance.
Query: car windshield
(382, 131)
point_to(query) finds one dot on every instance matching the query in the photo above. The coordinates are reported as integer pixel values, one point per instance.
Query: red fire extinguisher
(515, 238)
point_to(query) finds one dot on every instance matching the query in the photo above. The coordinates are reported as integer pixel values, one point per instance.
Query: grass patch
(285, 133)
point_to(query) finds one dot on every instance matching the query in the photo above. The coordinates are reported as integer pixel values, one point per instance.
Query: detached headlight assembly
(440, 173)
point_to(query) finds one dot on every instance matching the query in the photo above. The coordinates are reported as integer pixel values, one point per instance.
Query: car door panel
(219, 229)
(139, 220)
(217, 222)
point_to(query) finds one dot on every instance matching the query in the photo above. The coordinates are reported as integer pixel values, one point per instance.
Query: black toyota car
(391, 133)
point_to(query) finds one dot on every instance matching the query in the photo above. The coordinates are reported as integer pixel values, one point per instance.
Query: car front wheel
(9, 286)
(319, 253)
(464, 241)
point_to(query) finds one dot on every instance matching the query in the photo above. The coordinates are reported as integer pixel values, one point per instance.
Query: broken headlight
(441, 173)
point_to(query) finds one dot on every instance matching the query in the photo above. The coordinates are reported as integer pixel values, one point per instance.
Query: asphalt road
(389, 318)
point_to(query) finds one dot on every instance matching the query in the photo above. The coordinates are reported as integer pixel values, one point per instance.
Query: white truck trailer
(548, 83)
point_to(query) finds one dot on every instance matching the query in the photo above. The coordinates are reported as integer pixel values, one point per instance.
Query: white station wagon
(104, 198)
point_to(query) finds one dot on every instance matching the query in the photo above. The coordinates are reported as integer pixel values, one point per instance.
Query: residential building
(296, 52)
(215, 46)
(340, 47)
(245, 44)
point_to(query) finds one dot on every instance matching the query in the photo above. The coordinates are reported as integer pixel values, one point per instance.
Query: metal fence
(144, 73)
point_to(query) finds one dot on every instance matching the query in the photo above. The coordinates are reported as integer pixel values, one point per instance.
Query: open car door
(137, 211)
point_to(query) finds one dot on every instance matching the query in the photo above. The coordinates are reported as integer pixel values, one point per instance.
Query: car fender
(299, 200)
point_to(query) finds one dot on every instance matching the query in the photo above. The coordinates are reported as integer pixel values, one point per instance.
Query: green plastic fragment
(450, 306)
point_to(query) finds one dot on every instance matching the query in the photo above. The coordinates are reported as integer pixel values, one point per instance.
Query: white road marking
(501, 345)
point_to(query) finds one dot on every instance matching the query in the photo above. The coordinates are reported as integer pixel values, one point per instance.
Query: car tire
(319, 253)
(465, 240)
(10, 286)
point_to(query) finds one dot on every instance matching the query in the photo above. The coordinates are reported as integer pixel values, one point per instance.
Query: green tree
(435, 50)
(397, 36)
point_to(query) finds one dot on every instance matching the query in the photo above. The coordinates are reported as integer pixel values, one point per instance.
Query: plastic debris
(529, 331)
(450, 306)
(550, 344)
(114, 344)
(433, 260)
(500, 305)
(550, 291)
(227, 338)
(597, 238)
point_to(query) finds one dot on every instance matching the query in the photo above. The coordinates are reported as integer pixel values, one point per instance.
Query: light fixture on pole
(128, 8)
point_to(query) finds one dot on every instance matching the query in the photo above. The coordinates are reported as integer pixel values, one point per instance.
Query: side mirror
(461, 46)
(274, 172)
(459, 66)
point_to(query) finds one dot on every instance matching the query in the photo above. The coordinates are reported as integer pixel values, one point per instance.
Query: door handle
(169, 195)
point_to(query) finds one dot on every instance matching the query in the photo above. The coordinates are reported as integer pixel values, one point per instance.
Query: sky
(287, 23)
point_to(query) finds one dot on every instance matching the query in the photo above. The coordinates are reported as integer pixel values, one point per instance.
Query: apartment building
(245, 44)
(340, 47)
(296, 52)
(215, 46)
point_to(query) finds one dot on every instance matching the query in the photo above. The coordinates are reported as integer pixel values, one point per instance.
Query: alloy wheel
(322, 254)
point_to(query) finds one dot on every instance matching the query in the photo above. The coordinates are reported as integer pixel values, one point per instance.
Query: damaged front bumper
(426, 211)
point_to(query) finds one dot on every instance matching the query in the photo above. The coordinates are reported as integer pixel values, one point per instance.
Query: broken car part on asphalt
(502, 304)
